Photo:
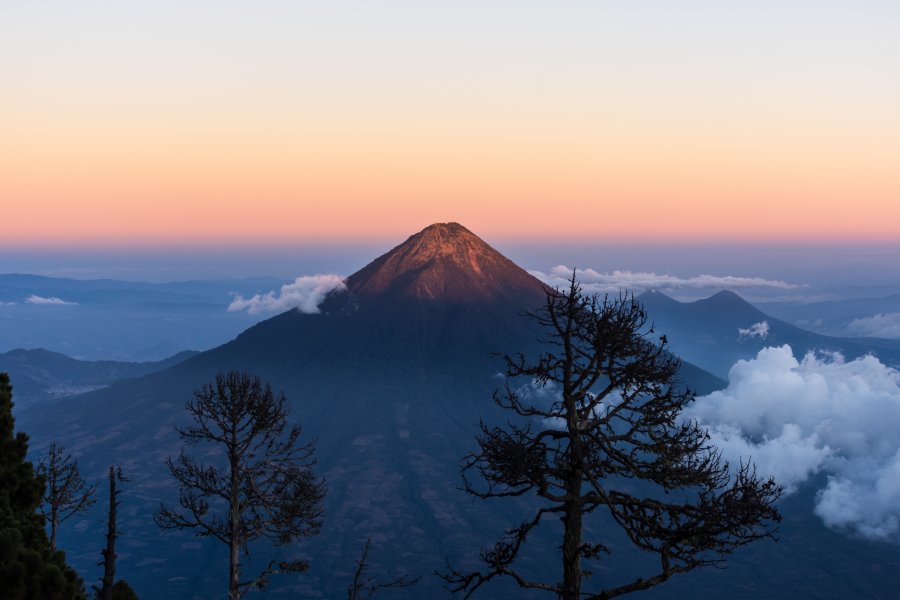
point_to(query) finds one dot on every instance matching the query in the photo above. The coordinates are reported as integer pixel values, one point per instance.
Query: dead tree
(612, 418)
(264, 488)
(363, 586)
(108, 580)
(66, 493)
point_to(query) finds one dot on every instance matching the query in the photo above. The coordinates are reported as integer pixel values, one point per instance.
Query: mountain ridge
(714, 333)
(40, 374)
(393, 383)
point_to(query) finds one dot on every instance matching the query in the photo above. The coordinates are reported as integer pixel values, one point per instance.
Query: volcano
(713, 333)
(445, 262)
(392, 379)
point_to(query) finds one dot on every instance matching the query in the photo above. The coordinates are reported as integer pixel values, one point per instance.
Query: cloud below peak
(639, 282)
(760, 330)
(797, 418)
(53, 300)
(305, 294)
(880, 325)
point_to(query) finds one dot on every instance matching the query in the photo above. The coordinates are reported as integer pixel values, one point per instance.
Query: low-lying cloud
(796, 419)
(880, 325)
(40, 300)
(760, 330)
(305, 294)
(595, 281)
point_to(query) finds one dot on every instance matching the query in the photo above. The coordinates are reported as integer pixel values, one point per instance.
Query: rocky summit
(445, 261)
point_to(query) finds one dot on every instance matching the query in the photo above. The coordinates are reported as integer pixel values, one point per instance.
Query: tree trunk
(54, 523)
(233, 573)
(571, 547)
(234, 527)
(54, 497)
(109, 553)
(572, 521)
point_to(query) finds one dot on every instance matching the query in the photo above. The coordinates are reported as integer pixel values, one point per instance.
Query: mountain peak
(444, 261)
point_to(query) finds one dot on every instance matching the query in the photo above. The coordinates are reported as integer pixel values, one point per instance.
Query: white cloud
(34, 299)
(881, 325)
(819, 415)
(760, 330)
(305, 294)
(594, 281)
(7, 303)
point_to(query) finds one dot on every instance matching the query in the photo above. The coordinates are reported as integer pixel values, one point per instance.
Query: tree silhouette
(66, 493)
(609, 437)
(365, 586)
(28, 568)
(108, 562)
(123, 591)
(265, 488)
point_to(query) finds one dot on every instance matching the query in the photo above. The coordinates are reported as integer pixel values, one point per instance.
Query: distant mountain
(18, 287)
(716, 332)
(121, 320)
(391, 379)
(40, 374)
(835, 317)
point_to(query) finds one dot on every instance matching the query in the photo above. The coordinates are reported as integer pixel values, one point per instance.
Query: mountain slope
(391, 379)
(835, 317)
(40, 374)
(716, 332)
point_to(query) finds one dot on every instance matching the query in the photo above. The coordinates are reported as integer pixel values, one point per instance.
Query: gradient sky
(159, 122)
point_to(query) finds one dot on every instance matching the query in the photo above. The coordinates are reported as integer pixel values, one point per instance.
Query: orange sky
(592, 122)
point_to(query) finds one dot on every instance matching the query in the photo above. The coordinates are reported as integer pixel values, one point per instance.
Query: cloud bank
(796, 419)
(305, 294)
(594, 281)
(35, 299)
(881, 325)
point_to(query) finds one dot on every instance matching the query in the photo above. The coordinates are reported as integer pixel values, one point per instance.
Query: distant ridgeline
(391, 379)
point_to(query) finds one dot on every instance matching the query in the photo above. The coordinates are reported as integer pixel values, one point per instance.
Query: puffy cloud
(881, 325)
(790, 456)
(305, 294)
(34, 299)
(817, 415)
(760, 330)
(594, 281)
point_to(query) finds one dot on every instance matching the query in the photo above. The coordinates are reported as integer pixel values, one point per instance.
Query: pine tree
(29, 570)
(264, 489)
(609, 445)
(123, 591)
(66, 493)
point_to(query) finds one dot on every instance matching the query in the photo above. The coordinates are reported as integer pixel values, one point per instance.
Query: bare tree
(66, 493)
(108, 580)
(364, 586)
(611, 426)
(265, 489)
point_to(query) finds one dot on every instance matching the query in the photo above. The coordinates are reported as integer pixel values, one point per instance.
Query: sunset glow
(149, 122)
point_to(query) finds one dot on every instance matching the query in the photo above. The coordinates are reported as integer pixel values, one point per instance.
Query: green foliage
(28, 569)
(123, 591)
(120, 591)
